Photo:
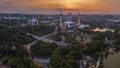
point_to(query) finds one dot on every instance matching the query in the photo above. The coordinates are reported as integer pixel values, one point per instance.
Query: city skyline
(54, 6)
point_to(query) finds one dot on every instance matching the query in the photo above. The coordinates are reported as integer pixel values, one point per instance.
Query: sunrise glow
(39, 6)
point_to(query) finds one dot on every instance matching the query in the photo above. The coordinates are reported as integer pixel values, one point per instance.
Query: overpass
(48, 40)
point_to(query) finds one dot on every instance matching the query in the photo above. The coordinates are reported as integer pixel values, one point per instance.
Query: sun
(73, 3)
(69, 3)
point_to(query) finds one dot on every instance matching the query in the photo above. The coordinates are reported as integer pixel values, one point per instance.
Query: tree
(43, 49)
(66, 57)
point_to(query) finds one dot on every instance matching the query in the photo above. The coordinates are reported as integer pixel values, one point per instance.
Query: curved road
(47, 40)
(28, 46)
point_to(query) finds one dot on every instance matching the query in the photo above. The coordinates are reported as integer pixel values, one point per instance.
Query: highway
(44, 39)
(47, 40)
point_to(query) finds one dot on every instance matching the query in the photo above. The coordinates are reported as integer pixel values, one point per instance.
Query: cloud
(8, 3)
(6, 6)
(105, 6)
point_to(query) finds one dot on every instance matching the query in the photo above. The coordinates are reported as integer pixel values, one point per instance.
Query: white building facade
(33, 22)
(68, 23)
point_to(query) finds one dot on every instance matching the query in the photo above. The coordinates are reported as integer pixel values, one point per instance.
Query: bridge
(48, 40)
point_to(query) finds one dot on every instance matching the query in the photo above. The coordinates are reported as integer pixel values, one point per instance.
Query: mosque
(68, 23)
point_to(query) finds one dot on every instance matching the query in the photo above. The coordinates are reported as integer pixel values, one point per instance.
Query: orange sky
(52, 6)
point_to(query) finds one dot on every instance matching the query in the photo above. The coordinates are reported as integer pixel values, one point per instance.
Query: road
(44, 39)
(54, 32)
(28, 46)
(43, 61)
(48, 40)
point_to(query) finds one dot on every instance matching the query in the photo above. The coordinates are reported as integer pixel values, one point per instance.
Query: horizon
(57, 13)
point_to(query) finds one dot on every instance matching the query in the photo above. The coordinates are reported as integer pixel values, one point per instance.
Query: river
(112, 61)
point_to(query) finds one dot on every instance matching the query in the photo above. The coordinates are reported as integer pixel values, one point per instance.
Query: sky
(55, 6)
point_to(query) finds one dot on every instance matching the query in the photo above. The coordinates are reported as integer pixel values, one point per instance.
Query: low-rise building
(33, 22)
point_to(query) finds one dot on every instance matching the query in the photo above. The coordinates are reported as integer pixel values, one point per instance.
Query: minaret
(61, 24)
(79, 18)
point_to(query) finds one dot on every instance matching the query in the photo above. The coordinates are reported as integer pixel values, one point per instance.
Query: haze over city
(54, 6)
(59, 33)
